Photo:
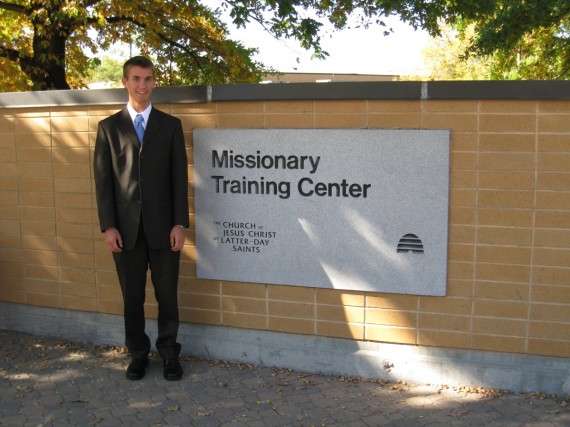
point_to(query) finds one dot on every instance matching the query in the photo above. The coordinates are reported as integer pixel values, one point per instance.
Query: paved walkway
(49, 382)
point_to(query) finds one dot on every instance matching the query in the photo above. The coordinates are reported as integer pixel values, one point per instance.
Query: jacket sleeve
(103, 173)
(179, 176)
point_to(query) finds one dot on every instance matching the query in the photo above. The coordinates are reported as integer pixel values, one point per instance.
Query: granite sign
(330, 208)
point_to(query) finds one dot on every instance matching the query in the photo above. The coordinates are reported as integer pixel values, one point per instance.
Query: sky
(353, 51)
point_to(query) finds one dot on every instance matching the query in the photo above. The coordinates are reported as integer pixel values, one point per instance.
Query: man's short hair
(137, 61)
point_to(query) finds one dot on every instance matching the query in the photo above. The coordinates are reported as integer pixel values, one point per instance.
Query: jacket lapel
(128, 128)
(152, 127)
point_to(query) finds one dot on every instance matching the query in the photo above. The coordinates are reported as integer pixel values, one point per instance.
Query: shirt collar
(133, 113)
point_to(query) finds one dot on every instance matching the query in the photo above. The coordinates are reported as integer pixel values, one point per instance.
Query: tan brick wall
(508, 284)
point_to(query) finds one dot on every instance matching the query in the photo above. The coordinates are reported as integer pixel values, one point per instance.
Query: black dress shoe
(172, 370)
(137, 369)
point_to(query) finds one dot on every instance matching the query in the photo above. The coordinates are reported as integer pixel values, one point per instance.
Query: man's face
(139, 84)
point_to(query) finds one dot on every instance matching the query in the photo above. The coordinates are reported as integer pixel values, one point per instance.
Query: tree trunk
(48, 69)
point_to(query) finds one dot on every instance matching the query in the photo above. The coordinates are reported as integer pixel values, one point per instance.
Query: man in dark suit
(141, 179)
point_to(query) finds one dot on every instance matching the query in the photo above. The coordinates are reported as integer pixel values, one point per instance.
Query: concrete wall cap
(403, 90)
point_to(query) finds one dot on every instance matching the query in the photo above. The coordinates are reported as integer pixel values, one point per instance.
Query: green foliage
(511, 40)
(446, 60)
(502, 39)
(541, 55)
(107, 69)
(49, 44)
(44, 44)
(510, 21)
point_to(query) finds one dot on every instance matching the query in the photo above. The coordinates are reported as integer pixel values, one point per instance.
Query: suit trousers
(132, 266)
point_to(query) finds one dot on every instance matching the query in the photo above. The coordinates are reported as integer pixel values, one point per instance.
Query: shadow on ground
(49, 382)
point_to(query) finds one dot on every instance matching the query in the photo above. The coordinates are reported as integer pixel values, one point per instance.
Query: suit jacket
(148, 181)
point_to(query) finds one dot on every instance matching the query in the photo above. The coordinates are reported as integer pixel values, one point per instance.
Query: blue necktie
(139, 127)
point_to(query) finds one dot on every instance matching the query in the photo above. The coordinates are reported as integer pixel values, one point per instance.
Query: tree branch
(9, 53)
(26, 62)
(117, 19)
(89, 3)
(14, 7)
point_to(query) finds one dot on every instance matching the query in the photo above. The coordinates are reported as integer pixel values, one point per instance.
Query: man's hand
(113, 239)
(177, 237)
